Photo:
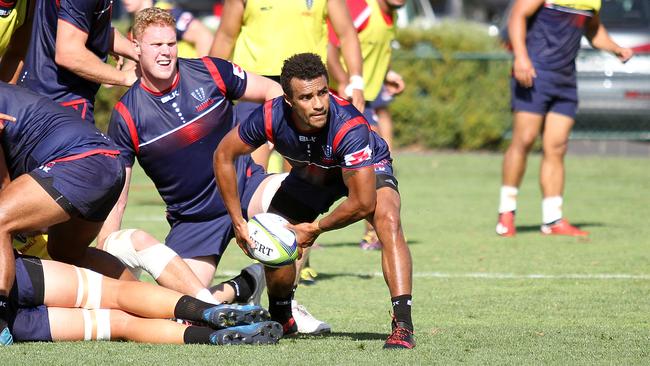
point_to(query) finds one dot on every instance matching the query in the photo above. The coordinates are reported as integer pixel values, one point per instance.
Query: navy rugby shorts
(28, 317)
(544, 97)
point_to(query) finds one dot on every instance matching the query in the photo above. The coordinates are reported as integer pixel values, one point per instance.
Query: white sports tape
(356, 82)
(271, 187)
(80, 286)
(154, 259)
(103, 319)
(120, 245)
(88, 325)
(91, 289)
(97, 324)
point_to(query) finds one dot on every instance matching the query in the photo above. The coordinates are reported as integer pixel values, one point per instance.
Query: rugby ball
(275, 245)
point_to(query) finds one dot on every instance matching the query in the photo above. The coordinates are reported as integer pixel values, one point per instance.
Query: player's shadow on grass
(324, 276)
(581, 225)
(356, 244)
(356, 336)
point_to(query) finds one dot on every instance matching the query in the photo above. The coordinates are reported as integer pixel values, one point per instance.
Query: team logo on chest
(202, 98)
(327, 153)
(309, 4)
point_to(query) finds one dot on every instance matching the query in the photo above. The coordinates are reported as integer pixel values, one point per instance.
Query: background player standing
(545, 37)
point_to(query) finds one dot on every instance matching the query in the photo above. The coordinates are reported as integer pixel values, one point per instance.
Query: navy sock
(243, 285)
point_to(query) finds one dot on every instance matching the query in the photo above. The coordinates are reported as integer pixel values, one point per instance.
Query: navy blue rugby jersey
(553, 39)
(44, 132)
(174, 134)
(41, 74)
(346, 141)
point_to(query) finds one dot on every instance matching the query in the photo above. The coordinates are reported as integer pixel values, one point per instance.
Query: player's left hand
(306, 233)
(624, 54)
(4, 118)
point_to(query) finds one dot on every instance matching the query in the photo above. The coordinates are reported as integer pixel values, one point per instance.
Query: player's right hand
(524, 72)
(243, 238)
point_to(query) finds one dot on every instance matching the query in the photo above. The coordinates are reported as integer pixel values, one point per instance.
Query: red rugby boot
(506, 225)
(562, 227)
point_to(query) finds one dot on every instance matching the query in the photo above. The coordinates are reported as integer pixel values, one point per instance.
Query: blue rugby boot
(228, 315)
(258, 333)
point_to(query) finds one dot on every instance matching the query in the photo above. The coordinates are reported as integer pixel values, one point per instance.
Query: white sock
(206, 296)
(551, 209)
(508, 199)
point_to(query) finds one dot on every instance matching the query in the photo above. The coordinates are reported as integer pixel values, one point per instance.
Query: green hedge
(457, 93)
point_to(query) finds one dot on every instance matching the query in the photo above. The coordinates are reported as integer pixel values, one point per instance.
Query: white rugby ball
(275, 245)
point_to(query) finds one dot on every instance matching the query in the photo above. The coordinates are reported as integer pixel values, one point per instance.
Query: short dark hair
(304, 66)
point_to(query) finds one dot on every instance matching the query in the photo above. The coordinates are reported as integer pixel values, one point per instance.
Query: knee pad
(97, 325)
(270, 188)
(89, 289)
(120, 245)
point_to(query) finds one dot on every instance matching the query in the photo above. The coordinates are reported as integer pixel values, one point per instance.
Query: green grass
(449, 212)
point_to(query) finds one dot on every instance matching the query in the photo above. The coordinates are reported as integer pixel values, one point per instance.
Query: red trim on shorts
(75, 105)
(268, 120)
(88, 153)
(359, 120)
(126, 116)
(177, 78)
(214, 72)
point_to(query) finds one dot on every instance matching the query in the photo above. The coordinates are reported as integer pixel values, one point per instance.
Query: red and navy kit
(67, 156)
(317, 159)
(553, 40)
(174, 134)
(42, 75)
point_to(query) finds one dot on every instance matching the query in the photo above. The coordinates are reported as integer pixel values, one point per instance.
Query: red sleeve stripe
(126, 116)
(214, 72)
(346, 127)
(268, 120)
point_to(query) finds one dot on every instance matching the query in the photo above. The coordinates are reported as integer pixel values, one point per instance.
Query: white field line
(501, 276)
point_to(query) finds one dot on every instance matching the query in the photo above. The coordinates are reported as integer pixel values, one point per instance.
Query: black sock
(280, 307)
(197, 335)
(189, 308)
(244, 285)
(402, 309)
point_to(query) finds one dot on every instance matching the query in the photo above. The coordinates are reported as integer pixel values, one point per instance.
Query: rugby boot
(506, 224)
(306, 323)
(562, 227)
(370, 241)
(256, 271)
(267, 332)
(228, 315)
(401, 337)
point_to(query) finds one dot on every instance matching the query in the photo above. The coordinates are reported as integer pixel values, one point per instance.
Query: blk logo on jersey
(169, 96)
(358, 157)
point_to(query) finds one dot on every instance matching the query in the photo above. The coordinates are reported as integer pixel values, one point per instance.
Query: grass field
(478, 298)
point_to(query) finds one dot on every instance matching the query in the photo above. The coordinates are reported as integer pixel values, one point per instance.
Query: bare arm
(200, 36)
(599, 38)
(260, 88)
(361, 201)
(523, 68)
(231, 147)
(350, 48)
(226, 36)
(336, 70)
(123, 46)
(71, 53)
(114, 220)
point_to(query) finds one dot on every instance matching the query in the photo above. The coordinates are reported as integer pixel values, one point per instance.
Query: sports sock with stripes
(243, 285)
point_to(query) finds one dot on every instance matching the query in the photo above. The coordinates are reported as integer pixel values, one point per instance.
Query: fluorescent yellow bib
(274, 30)
(10, 23)
(35, 246)
(577, 4)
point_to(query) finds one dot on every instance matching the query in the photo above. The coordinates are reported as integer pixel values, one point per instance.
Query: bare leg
(526, 128)
(395, 254)
(385, 122)
(68, 325)
(24, 206)
(555, 140)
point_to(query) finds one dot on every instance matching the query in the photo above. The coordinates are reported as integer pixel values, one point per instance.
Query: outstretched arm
(228, 150)
(200, 36)
(362, 197)
(260, 89)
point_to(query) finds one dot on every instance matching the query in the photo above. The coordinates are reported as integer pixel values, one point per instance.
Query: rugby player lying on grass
(54, 301)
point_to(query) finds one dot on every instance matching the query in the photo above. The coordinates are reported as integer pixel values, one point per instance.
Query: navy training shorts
(544, 97)
(29, 318)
